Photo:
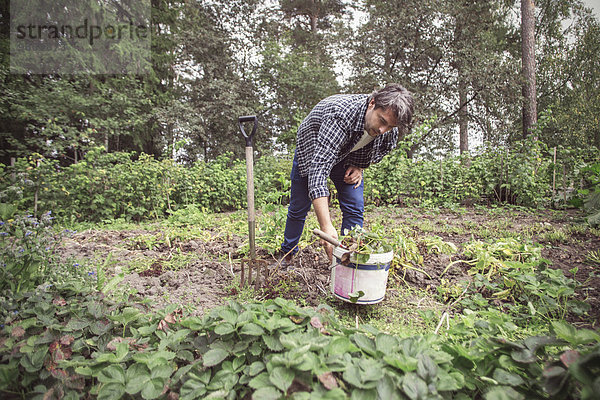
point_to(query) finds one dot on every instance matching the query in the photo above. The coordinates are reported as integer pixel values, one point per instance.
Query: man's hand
(353, 176)
(322, 211)
(326, 245)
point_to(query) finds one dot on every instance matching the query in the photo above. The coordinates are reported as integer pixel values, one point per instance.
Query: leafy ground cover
(481, 302)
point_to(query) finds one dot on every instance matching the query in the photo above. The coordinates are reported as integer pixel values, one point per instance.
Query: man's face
(379, 120)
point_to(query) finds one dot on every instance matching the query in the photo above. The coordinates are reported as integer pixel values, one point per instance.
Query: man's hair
(395, 97)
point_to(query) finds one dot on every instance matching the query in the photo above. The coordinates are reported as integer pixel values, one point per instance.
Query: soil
(206, 278)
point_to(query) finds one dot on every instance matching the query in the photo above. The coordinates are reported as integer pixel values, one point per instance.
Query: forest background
(212, 61)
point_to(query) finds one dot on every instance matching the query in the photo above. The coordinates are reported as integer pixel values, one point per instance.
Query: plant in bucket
(360, 266)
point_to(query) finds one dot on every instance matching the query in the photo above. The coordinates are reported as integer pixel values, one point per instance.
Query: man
(340, 137)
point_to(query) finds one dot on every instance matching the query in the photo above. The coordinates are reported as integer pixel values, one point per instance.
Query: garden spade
(250, 195)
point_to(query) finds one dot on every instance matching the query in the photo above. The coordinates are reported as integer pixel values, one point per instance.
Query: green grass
(407, 311)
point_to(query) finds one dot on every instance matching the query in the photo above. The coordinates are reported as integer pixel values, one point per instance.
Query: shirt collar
(359, 126)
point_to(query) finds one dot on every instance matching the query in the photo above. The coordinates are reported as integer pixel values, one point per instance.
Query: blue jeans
(351, 203)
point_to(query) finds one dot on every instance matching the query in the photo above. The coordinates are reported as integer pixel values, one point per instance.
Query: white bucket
(370, 277)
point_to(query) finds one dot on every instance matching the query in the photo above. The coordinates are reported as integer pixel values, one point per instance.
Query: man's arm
(321, 207)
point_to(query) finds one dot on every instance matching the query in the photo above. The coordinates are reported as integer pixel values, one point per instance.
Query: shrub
(26, 248)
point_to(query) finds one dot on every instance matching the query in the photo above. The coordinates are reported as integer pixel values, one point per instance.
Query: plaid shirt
(327, 136)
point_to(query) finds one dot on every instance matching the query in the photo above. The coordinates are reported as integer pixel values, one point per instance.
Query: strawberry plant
(361, 244)
(514, 272)
(68, 341)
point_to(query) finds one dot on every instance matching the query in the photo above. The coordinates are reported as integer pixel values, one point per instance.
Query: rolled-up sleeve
(330, 138)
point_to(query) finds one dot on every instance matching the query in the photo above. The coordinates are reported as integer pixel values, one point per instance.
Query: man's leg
(352, 202)
(299, 206)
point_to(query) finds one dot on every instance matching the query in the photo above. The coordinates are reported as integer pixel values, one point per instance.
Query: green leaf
(282, 378)
(309, 362)
(146, 330)
(386, 343)
(112, 373)
(364, 394)
(370, 370)
(449, 381)
(352, 375)
(195, 385)
(260, 381)
(414, 387)
(426, 368)
(256, 349)
(163, 371)
(272, 342)
(256, 367)
(354, 296)
(193, 323)
(153, 388)
(401, 362)
(240, 347)
(238, 363)
(137, 376)
(503, 393)
(8, 375)
(525, 356)
(113, 282)
(535, 342)
(365, 343)
(291, 340)
(214, 357)
(128, 315)
(219, 394)
(224, 328)
(386, 388)
(565, 331)
(122, 351)
(192, 390)
(267, 393)
(229, 315)
(504, 377)
(587, 336)
(252, 329)
(340, 345)
(111, 391)
(28, 323)
(76, 324)
(554, 379)
(33, 362)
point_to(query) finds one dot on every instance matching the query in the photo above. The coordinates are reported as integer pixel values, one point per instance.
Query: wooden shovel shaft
(250, 193)
(326, 237)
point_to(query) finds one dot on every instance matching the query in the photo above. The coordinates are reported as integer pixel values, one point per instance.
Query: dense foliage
(72, 340)
(133, 186)
(525, 175)
(112, 185)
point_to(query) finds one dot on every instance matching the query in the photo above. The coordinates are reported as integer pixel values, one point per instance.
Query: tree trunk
(528, 61)
(313, 23)
(463, 123)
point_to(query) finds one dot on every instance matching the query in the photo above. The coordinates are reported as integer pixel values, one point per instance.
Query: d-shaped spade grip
(248, 118)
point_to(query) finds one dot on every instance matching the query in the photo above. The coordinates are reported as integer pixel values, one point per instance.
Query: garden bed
(202, 271)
